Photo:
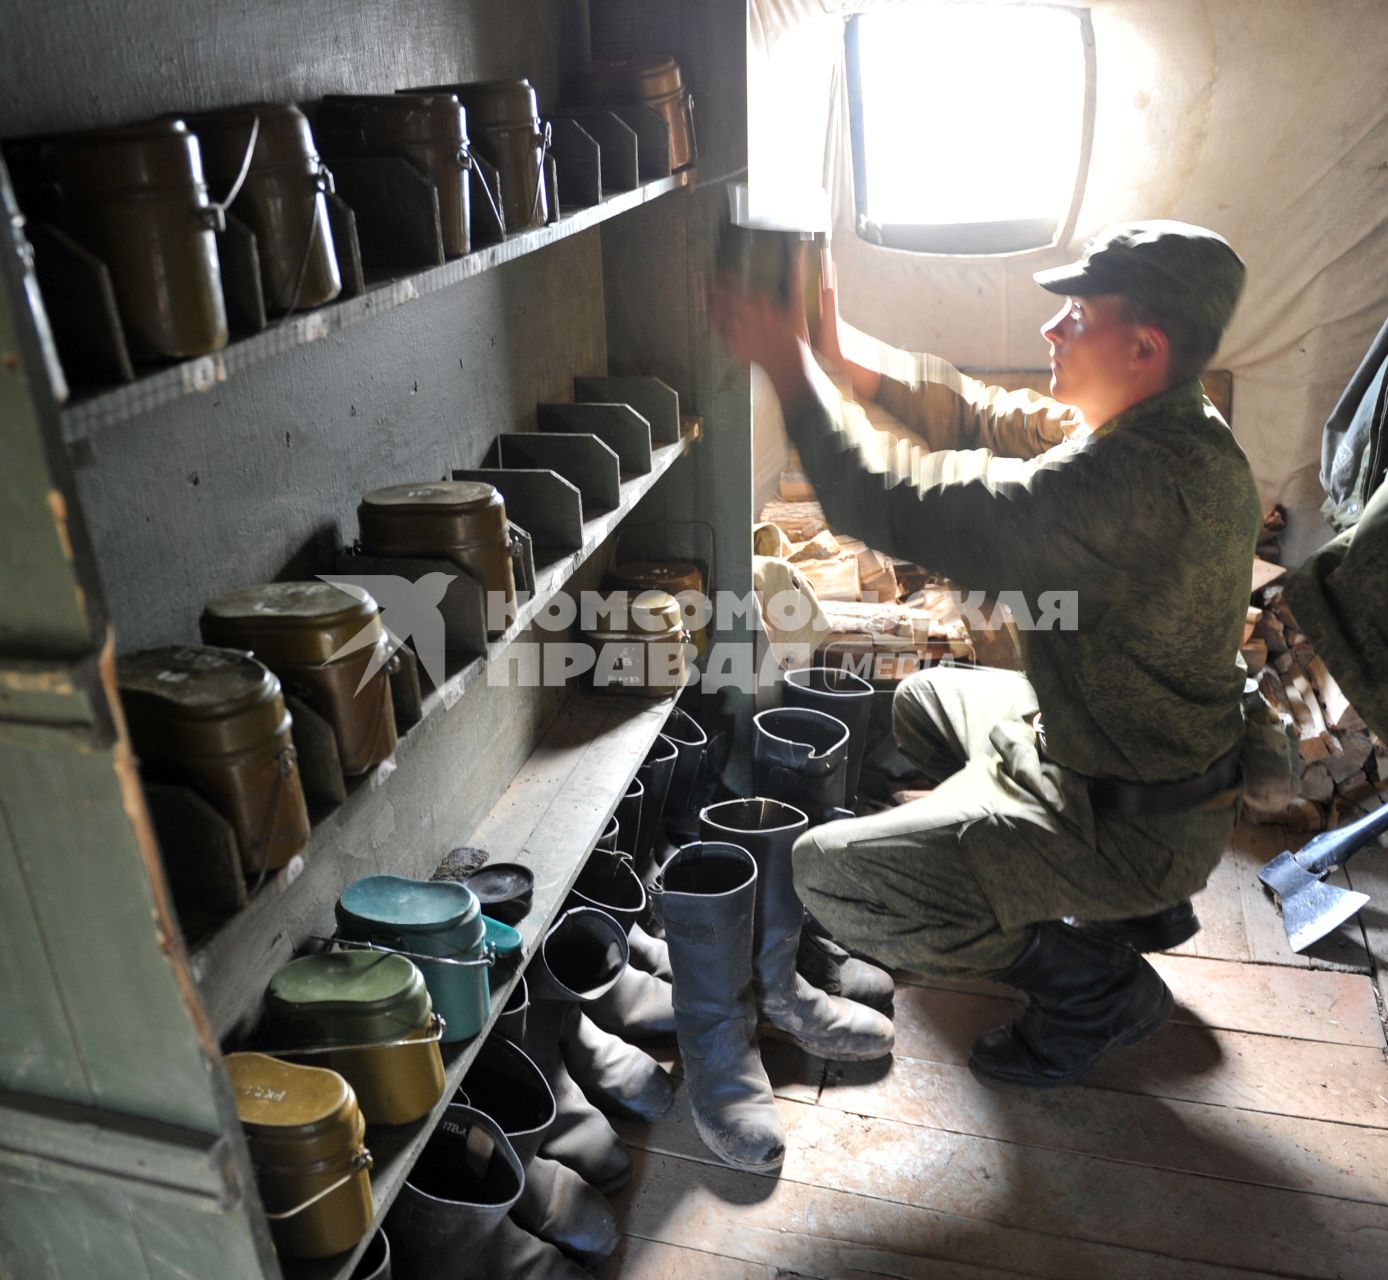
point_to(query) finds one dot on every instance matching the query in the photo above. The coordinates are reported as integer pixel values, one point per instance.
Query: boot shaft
(800, 757)
(580, 958)
(707, 899)
(463, 1184)
(506, 1084)
(843, 695)
(767, 829)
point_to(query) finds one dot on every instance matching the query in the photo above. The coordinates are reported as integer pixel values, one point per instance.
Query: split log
(1339, 714)
(1316, 783)
(1251, 622)
(1255, 655)
(1265, 573)
(799, 521)
(823, 546)
(1355, 750)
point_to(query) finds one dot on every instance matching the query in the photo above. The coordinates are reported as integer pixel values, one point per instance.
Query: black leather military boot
(1087, 997)
(1161, 931)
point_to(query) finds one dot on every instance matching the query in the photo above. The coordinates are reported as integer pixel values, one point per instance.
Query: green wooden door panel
(46, 610)
(56, 1229)
(37, 1050)
(95, 909)
(179, 1245)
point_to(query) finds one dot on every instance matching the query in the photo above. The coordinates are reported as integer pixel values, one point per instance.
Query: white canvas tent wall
(1264, 119)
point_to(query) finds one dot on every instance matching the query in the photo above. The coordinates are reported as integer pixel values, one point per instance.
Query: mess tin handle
(437, 1026)
(361, 1160)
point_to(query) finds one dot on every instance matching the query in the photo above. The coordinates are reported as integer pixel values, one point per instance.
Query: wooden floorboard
(1035, 1189)
(1247, 1138)
(819, 1232)
(1305, 1004)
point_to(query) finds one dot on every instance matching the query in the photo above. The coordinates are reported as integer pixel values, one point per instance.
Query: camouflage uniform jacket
(1151, 521)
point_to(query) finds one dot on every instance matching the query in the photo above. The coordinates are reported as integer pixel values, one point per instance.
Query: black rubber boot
(637, 1007)
(1161, 931)
(588, 949)
(556, 1204)
(844, 696)
(824, 1025)
(1087, 997)
(800, 757)
(451, 1216)
(708, 900)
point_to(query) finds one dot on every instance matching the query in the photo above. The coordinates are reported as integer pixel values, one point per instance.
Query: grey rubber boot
(846, 697)
(589, 948)
(556, 1204)
(707, 899)
(650, 954)
(617, 1077)
(824, 1025)
(451, 1215)
(826, 965)
(637, 1006)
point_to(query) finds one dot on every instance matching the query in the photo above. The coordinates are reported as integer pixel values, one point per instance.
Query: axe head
(1310, 907)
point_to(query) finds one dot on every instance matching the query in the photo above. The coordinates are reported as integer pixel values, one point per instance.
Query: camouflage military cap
(1174, 270)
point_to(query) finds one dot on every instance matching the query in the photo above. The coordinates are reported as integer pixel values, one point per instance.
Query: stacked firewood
(878, 606)
(1344, 767)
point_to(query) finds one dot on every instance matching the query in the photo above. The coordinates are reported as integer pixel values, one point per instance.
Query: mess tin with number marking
(439, 925)
(368, 1016)
(306, 1136)
(683, 581)
(459, 520)
(641, 645)
(214, 720)
(282, 198)
(300, 631)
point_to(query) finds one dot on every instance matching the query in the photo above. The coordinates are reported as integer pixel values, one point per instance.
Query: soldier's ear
(1153, 347)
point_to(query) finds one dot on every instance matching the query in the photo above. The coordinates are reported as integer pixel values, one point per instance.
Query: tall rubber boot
(1087, 997)
(648, 953)
(824, 1025)
(826, 965)
(800, 757)
(708, 901)
(510, 1022)
(681, 804)
(590, 949)
(655, 773)
(637, 1007)
(846, 697)
(450, 1218)
(556, 1204)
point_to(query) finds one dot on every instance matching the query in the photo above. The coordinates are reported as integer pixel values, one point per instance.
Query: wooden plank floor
(1248, 1138)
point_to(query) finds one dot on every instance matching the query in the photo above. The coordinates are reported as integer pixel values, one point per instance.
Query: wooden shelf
(549, 819)
(90, 413)
(233, 967)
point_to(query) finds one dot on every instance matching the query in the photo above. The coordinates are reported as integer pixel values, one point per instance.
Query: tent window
(970, 124)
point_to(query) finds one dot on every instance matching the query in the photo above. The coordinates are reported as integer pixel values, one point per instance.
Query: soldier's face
(1092, 351)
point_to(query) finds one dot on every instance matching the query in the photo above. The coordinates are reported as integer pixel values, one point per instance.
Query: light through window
(969, 123)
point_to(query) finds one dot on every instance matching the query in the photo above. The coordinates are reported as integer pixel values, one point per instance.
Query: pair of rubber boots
(732, 923)
(637, 1005)
(481, 1201)
(590, 1071)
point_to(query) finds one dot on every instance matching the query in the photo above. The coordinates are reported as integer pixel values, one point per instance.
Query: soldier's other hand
(755, 328)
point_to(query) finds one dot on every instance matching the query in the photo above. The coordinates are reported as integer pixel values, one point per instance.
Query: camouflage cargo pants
(951, 884)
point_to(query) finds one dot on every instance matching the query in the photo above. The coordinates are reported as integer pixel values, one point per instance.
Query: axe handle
(1333, 848)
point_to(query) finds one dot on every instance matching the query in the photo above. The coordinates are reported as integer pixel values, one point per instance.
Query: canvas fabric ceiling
(1266, 120)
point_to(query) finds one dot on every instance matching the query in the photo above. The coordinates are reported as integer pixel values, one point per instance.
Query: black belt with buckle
(1115, 798)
